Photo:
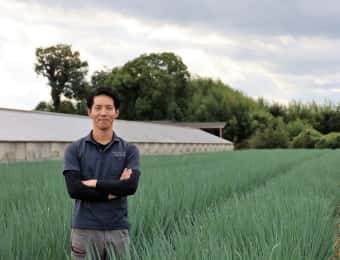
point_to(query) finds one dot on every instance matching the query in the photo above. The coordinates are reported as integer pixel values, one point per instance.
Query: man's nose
(103, 112)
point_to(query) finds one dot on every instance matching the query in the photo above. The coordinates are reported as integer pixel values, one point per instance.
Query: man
(101, 170)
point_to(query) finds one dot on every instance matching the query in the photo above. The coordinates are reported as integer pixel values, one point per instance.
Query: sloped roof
(23, 126)
(202, 125)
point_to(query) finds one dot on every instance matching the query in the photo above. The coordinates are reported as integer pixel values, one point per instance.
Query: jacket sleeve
(120, 187)
(79, 191)
(72, 174)
(128, 186)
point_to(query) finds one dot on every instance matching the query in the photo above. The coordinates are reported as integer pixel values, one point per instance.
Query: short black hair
(103, 91)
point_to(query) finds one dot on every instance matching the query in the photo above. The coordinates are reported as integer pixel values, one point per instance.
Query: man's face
(103, 112)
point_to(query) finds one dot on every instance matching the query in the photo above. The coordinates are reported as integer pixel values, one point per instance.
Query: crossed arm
(101, 190)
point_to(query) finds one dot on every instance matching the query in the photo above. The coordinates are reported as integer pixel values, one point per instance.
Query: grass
(233, 205)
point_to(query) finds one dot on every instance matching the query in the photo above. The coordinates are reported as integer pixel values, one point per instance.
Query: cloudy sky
(279, 50)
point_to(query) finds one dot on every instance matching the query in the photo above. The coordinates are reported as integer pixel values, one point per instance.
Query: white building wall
(21, 151)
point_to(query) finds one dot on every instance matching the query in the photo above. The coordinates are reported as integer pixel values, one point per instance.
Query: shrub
(294, 128)
(331, 140)
(306, 139)
(274, 136)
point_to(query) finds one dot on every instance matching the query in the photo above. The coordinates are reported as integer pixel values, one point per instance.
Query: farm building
(34, 135)
(215, 128)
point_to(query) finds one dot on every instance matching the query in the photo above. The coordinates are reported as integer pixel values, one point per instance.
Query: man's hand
(111, 197)
(90, 183)
(126, 174)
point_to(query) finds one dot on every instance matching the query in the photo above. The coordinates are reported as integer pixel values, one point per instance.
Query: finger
(126, 176)
(123, 175)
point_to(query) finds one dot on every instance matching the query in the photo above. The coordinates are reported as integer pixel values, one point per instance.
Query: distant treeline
(158, 86)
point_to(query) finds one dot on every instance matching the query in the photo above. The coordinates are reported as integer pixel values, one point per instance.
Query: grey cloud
(288, 63)
(294, 17)
(245, 22)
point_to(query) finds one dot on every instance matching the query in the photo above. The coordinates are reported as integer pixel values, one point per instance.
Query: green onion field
(254, 204)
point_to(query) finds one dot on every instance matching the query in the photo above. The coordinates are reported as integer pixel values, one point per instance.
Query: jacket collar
(89, 138)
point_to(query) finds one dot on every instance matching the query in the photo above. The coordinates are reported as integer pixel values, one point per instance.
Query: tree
(212, 100)
(152, 87)
(64, 70)
(239, 122)
(261, 119)
(273, 136)
(67, 107)
(208, 100)
(277, 110)
(44, 106)
(81, 107)
(328, 120)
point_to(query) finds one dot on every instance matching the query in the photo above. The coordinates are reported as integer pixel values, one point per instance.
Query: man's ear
(117, 113)
(89, 112)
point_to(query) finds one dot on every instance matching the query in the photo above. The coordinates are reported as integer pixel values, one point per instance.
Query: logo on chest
(118, 155)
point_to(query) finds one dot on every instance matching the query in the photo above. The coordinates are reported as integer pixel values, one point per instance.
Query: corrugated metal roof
(19, 125)
(205, 125)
